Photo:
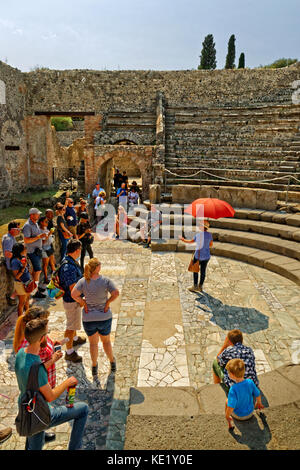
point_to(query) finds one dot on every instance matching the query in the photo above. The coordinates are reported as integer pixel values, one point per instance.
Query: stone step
(219, 176)
(158, 415)
(282, 219)
(252, 165)
(266, 236)
(167, 187)
(283, 265)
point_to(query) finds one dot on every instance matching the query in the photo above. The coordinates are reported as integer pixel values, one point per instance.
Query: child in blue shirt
(243, 396)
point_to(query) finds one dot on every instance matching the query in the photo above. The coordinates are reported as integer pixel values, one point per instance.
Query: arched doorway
(100, 160)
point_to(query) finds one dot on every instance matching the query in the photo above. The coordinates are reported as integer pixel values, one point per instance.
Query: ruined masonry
(236, 124)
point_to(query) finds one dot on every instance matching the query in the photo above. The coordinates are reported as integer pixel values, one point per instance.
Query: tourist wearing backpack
(35, 333)
(69, 274)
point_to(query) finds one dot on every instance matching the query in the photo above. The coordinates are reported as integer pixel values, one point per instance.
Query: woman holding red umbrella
(202, 208)
(203, 240)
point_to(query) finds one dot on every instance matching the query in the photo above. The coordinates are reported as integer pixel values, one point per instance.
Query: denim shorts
(101, 327)
(36, 261)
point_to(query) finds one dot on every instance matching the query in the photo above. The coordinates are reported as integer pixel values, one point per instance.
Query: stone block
(154, 194)
(162, 401)
(266, 199)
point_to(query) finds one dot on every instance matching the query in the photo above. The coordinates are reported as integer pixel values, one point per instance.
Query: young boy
(242, 395)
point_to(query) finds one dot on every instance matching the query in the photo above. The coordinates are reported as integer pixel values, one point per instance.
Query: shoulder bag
(34, 413)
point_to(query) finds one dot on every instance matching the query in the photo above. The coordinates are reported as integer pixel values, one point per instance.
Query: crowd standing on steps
(87, 297)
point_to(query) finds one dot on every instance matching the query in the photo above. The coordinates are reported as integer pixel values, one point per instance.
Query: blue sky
(144, 34)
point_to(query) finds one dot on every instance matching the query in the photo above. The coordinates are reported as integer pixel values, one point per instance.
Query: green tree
(279, 63)
(62, 123)
(208, 54)
(230, 58)
(242, 61)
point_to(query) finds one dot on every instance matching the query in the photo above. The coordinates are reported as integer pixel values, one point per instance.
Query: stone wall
(100, 91)
(13, 155)
(236, 197)
(6, 287)
(150, 109)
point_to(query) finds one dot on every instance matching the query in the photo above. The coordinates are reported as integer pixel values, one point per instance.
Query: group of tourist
(86, 300)
(123, 190)
(87, 296)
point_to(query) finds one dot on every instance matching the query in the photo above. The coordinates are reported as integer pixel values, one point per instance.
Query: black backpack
(34, 413)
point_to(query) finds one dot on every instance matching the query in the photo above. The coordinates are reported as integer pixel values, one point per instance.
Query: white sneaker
(193, 289)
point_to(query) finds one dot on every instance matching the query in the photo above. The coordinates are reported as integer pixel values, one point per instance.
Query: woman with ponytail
(47, 353)
(96, 314)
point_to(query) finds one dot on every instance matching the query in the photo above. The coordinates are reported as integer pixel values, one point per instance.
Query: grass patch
(19, 213)
(35, 196)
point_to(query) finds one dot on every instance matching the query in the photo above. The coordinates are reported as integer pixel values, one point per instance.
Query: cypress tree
(230, 58)
(208, 54)
(242, 61)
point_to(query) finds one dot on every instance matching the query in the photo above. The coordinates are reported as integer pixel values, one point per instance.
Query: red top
(45, 355)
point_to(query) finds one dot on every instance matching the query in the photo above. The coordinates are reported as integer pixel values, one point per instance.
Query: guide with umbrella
(202, 209)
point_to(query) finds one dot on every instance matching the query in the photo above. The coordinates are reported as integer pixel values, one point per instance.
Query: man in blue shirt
(35, 333)
(8, 241)
(33, 238)
(122, 195)
(71, 217)
(69, 273)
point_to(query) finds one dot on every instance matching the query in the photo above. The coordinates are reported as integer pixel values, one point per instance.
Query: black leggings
(203, 266)
(86, 247)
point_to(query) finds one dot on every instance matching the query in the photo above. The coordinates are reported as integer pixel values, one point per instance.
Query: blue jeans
(63, 244)
(60, 415)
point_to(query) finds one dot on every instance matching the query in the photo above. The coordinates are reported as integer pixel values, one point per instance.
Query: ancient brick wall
(13, 154)
(134, 106)
(103, 91)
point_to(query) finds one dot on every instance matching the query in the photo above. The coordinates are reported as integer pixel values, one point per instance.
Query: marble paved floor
(163, 335)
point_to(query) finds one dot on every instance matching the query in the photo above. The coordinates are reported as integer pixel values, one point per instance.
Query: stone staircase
(134, 126)
(238, 143)
(183, 418)
(268, 239)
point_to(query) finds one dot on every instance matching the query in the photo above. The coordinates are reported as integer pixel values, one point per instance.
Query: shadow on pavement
(228, 317)
(251, 433)
(99, 401)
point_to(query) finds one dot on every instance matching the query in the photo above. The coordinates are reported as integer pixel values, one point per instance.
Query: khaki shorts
(19, 288)
(73, 315)
(72, 229)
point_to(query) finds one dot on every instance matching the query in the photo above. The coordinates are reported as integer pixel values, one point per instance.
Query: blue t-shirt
(241, 397)
(8, 241)
(16, 265)
(69, 273)
(122, 192)
(70, 212)
(202, 240)
(23, 364)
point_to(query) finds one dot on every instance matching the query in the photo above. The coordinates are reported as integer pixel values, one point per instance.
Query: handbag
(66, 235)
(194, 267)
(29, 286)
(34, 412)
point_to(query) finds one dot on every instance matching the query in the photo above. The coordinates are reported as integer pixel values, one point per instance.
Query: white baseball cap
(34, 210)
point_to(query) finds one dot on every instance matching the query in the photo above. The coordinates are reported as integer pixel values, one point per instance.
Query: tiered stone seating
(264, 238)
(245, 144)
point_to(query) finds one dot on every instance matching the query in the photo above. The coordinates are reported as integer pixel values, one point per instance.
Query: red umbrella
(213, 208)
